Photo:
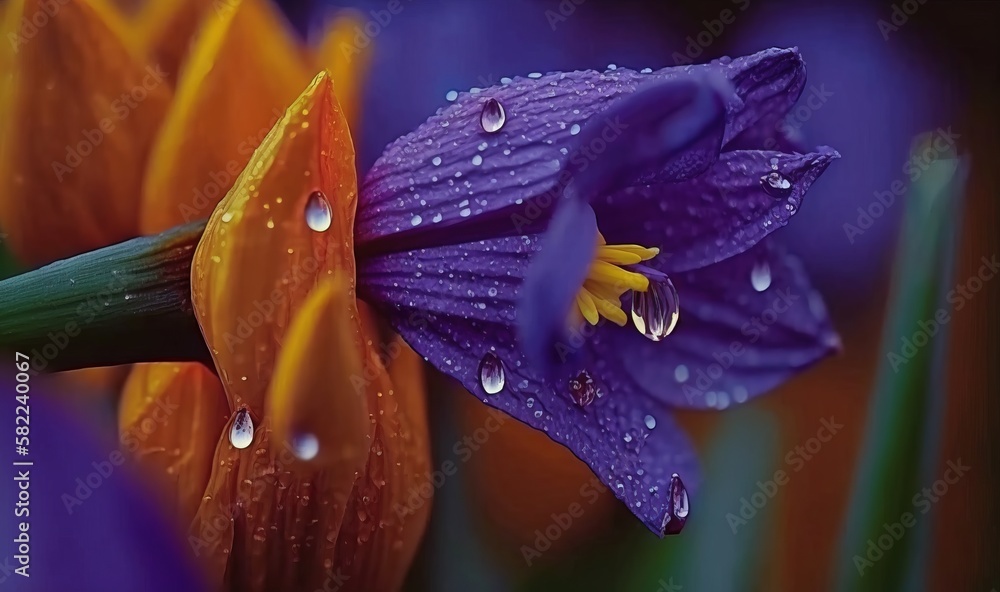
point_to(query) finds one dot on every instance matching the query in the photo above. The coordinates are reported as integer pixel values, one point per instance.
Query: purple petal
(746, 325)
(769, 82)
(668, 130)
(87, 508)
(450, 172)
(457, 304)
(716, 215)
(553, 281)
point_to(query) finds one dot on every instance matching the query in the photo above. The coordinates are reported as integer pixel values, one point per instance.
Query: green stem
(122, 304)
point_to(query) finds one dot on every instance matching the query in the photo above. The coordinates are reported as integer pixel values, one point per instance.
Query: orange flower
(285, 472)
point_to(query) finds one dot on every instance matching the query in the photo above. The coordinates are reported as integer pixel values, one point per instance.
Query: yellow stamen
(600, 295)
(586, 303)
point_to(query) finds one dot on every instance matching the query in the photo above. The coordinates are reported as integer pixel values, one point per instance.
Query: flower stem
(122, 304)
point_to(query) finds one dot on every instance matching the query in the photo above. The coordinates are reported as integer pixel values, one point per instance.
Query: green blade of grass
(900, 448)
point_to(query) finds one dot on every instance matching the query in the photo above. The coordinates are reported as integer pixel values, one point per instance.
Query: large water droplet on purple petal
(319, 216)
(655, 312)
(493, 116)
(491, 374)
(776, 185)
(583, 389)
(241, 433)
(677, 510)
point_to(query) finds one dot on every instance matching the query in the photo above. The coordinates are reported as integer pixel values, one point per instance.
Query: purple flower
(637, 191)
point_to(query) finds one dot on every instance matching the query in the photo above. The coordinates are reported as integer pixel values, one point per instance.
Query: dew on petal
(452, 95)
(319, 216)
(574, 129)
(305, 446)
(681, 373)
(416, 220)
(677, 511)
(583, 389)
(655, 312)
(776, 185)
(650, 421)
(493, 116)
(241, 433)
(491, 374)
(760, 276)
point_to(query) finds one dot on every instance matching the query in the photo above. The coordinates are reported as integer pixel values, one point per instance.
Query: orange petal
(170, 418)
(317, 394)
(243, 70)
(104, 382)
(79, 117)
(346, 60)
(163, 30)
(392, 503)
(259, 256)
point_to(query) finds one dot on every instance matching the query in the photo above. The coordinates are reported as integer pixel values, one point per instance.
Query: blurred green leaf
(900, 451)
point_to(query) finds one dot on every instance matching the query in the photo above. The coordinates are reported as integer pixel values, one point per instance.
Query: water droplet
(535, 75)
(477, 160)
(655, 311)
(319, 216)
(760, 276)
(493, 116)
(305, 446)
(650, 421)
(677, 512)
(241, 434)
(582, 389)
(681, 373)
(491, 375)
(776, 185)
(416, 220)
(574, 129)
(436, 161)
(452, 95)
